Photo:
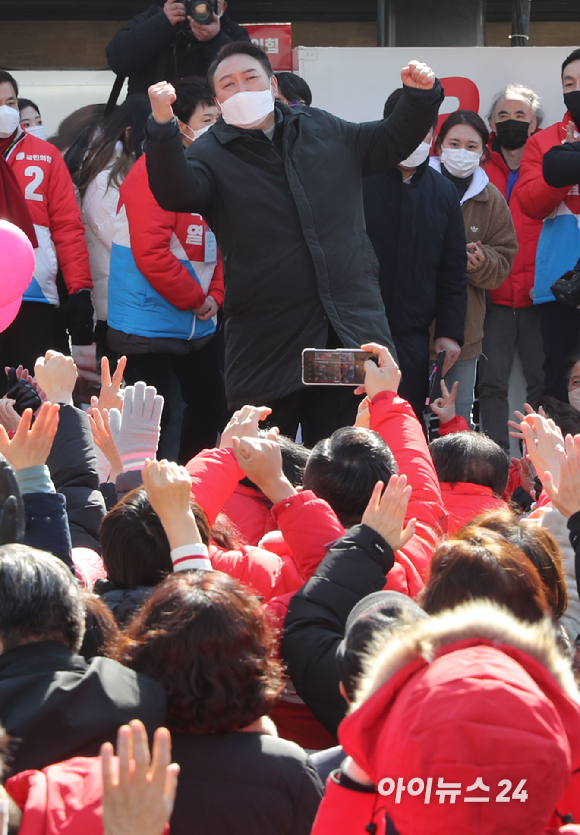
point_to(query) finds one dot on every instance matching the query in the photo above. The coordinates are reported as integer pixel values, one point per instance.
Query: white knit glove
(136, 430)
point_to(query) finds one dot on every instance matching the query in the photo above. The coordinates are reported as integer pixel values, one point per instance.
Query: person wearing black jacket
(416, 227)
(52, 703)
(280, 187)
(162, 43)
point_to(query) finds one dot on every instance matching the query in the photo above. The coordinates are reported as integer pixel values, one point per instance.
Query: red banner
(276, 39)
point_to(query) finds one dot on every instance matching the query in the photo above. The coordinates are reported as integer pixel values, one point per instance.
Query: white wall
(353, 83)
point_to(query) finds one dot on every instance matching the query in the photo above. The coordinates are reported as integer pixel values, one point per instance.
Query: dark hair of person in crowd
(564, 415)
(74, 124)
(293, 88)
(391, 103)
(101, 626)
(40, 599)
(238, 48)
(24, 103)
(344, 469)
(574, 56)
(127, 126)
(472, 458)
(207, 641)
(134, 546)
(190, 92)
(464, 117)
(7, 78)
(538, 545)
(480, 563)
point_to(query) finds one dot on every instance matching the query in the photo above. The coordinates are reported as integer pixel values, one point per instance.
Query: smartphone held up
(335, 367)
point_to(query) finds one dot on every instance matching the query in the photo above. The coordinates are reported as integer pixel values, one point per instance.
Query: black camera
(202, 11)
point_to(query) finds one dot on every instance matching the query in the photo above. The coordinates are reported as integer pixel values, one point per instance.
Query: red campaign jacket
(62, 799)
(395, 421)
(251, 513)
(50, 197)
(161, 236)
(537, 199)
(516, 289)
(465, 501)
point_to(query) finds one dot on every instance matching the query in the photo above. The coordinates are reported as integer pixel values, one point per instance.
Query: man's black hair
(6, 78)
(39, 599)
(294, 89)
(238, 48)
(392, 101)
(22, 103)
(344, 469)
(190, 92)
(574, 56)
(472, 458)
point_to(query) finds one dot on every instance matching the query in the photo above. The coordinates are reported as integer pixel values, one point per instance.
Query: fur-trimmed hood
(471, 694)
(475, 620)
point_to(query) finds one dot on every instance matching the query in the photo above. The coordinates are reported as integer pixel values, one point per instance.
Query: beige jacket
(487, 219)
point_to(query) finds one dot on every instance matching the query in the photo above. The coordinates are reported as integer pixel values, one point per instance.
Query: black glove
(12, 518)
(22, 392)
(78, 318)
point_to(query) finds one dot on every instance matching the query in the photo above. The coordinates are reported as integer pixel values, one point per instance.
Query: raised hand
(515, 425)
(57, 376)
(9, 417)
(444, 407)
(384, 377)
(418, 75)
(244, 424)
(261, 460)
(162, 96)
(543, 439)
(363, 414)
(168, 488)
(103, 438)
(23, 393)
(386, 513)
(139, 801)
(30, 446)
(565, 496)
(174, 12)
(111, 394)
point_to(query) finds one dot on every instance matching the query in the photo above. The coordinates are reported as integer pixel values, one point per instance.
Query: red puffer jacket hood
(465, 501)
(516, 290)
(471, 696)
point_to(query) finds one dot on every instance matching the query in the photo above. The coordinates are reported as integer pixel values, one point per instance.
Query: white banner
(354, 83)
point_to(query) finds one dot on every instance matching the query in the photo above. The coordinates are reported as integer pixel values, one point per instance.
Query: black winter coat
(54, 705)
(561, 165)
(418, 234)
(149, 49)
(354, 567)
(289, 220)
(73, 468)
(243, 783)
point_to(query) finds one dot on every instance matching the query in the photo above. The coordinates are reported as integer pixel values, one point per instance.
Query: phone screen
(342, 367)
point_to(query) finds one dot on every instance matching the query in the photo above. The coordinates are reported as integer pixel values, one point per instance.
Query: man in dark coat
(415, 224)
(281, 187)
(163, 43)
(53, 704)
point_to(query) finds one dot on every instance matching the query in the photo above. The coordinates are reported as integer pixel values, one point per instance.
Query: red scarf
(12, 202)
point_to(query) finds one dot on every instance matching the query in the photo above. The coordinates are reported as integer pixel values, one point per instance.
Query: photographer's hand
(205, 31)
(174, 12)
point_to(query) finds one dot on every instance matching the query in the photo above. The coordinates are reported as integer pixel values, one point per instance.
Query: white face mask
(574, 398)
(459, 161)
(418, 156)
(248, 109)
(9, 121)
(37, 130)
(191, 134)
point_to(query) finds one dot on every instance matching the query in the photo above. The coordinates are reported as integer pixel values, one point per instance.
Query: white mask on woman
(37, 130)
(460, 162)
(9, 121)
(248, 109)
(418, 156)
(574, 398)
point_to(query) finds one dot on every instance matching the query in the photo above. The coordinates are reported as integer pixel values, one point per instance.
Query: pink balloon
(16, 263)
(8, 313)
